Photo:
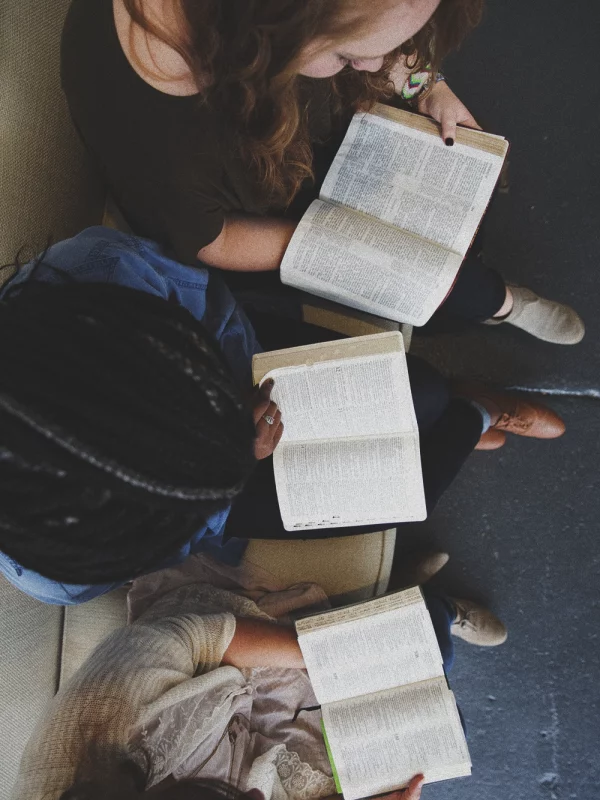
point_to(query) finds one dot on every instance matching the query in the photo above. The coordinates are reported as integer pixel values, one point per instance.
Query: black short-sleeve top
(167, 159)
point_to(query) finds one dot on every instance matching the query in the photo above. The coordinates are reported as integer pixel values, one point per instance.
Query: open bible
(349, 454)
(396, 215)
(388, 714)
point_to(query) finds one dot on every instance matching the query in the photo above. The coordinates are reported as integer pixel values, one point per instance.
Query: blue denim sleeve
(103, 255)
(48, 591)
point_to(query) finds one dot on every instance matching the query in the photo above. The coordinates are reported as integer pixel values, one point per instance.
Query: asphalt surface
(522, 524)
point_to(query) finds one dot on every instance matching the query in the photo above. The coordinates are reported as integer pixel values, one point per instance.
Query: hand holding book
(442, 105)
(267, 419)
(387, 710)
(412, 791)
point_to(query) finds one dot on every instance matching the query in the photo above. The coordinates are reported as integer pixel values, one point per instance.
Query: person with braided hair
(130, 436)
(125, 431)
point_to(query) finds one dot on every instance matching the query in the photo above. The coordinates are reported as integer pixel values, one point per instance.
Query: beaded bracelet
(418, 85)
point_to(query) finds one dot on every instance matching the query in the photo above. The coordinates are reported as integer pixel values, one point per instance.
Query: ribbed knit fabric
(130, 671)
(49, 189)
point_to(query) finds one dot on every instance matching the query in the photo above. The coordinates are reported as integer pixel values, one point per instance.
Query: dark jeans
(449, 430)
(442, 614)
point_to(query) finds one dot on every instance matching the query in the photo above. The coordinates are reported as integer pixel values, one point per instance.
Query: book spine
(329, 755)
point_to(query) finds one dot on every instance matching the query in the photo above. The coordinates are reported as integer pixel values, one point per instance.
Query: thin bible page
(352, 258)
(411, 179)
(364, 396)
(343, 482)
(368, 655)
(353, 347)
(379, 742)
(361, 610)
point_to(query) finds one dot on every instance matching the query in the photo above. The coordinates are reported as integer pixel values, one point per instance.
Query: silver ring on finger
(268, 419)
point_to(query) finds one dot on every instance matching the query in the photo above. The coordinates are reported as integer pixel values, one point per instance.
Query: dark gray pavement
(530, 72)
(522, 525)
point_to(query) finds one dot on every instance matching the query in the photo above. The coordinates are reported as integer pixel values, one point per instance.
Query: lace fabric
(299, 779)
(280, 774)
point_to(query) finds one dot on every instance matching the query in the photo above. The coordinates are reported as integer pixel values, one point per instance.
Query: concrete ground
(522, 525)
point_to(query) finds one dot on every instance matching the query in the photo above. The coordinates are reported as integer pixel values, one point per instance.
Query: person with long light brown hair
(205, 695)
(214, 121)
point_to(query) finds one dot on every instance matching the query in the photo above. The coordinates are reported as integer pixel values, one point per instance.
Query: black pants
(478, 294)
(449, 430)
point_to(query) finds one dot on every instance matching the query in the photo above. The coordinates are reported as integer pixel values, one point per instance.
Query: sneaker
(544, 319)
(476, 624)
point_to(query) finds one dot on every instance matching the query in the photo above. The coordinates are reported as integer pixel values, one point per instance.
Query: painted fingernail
(450, 141)
(270, 383)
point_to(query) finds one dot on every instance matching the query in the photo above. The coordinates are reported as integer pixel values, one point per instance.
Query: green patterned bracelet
(418, 85)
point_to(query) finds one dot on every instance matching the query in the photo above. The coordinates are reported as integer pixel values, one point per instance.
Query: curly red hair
(245, 53)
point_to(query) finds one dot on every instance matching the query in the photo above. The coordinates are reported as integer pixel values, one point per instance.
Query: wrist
(434, 94)
(419, 85)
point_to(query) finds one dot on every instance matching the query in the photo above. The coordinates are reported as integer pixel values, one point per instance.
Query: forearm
(249, 244)
(257, 643)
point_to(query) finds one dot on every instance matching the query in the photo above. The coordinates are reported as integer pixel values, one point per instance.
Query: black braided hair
(121, 429)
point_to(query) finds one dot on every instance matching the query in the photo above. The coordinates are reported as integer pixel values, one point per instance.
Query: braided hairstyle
(121, 429)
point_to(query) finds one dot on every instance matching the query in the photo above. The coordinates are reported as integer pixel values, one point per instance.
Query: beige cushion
(87, 625)
(46, 184)
(46, 189)
(30, 633)
(349, 568)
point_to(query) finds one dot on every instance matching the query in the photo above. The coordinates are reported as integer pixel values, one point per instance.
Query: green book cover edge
(333, 769)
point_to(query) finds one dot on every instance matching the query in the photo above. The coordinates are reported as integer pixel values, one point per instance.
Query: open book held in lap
(349, 454)
(388, 714)
(396, 215)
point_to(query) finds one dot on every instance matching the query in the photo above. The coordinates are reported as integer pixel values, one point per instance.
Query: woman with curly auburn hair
(215, 121)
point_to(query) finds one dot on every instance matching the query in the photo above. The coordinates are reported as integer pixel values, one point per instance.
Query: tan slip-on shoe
(514, 414)
(546, 320)
(491, 440)
(477, 625)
